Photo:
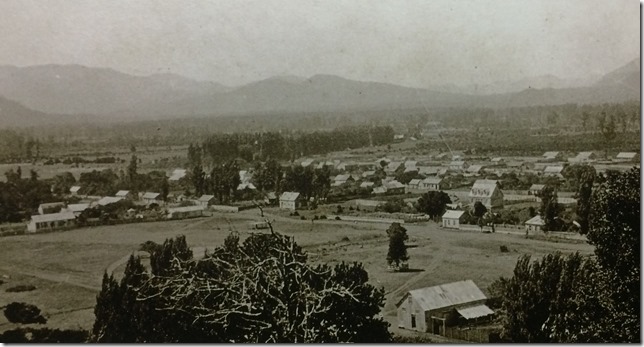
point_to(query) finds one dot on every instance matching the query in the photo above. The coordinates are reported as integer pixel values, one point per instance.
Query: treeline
(288, 146)
(19, 197)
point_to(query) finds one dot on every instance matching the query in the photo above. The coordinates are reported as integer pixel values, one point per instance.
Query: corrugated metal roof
(626, 155)
(446, 295)
(52, 217)
(453, 214)
(475, 311)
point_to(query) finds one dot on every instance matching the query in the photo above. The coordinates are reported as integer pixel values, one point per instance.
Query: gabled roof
(122, 193)
(366, 184)
(150, 195)
(553, 169)
(393, 184)
(77, 207)
(379, 190)
(432, 180)
(428, 170)
(393, 165)
(537, 187)
(52, 204)
(414, 182)
(497, 159)
(106, 200)
(474, 168)
(246, 185)
(185, 209)
(456, 163)
(483, 188)
(445, 295)
(342, 177)
(368, 173)
(626, 155)
(177, 174)
(307, 162)
(52, 217)
(206, 198)
(74, 189)
(410, 163)
(551, 154)
(584, 155)
(289, 196)
(453, 214)
(536, 220)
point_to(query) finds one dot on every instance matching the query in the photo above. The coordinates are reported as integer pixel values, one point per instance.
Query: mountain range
(36, 94)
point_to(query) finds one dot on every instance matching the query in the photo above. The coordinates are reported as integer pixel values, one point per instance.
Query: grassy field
(67, 267)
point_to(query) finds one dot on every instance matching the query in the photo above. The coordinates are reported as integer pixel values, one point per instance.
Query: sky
(406, 42)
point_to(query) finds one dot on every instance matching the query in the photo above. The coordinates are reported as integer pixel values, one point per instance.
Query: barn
(433, 309)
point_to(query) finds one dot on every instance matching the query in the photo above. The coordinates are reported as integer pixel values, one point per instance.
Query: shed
(452, 219)
(74, 190)
(534, 224)
(205, 200)
(433, 309)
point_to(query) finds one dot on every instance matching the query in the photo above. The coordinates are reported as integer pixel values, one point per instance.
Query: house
(552, 156)
(150, 198)
(177, 174)
(411, 169)
(553, 171)
(185, 212)
(414, 184)
(583, 157)
(433, 309)
(428, 170)
(534, 224)
(488, 193)
(393, 166)
(106, 200)
(342, 179)
(627, 157)
(125, 194)
(52, 207)
(246, 185)
(77, 209)
(366, 184)
(394, 187)
(431, 183)
(380, 190)
(51, 221)
(270, 198)
(74, 190)
(457, 165)
(307, 162)
(535, 189)
(410, 164)
(368, 174)
(452, 219)
(205, 200)
(290, 200)
(474, 169)
(497, 161)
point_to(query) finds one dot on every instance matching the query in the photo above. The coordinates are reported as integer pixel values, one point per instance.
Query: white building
(77, 209)
(553, 171)
(74, 190)
(150, 198)
(185, 212)
(534, 224)
(488, 193)
(204, 200)
(124, 194)
(627, 157)
(452, 219)
(290, 200)
(51, 221)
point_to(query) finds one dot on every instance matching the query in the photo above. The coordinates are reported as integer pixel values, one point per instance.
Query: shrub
(504, 249)
(323, 216)
(296, 214)
(302, 217)
(315, 217)
(19, 312)
(339, 209)
(345, 239)
(21, 288)
(337, 217)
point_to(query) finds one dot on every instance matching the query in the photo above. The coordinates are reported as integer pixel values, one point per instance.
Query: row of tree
(574, 298)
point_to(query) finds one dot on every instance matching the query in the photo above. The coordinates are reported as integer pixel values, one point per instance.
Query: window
(413, 320)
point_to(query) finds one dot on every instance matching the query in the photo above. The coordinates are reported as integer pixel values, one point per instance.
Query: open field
(67, 267)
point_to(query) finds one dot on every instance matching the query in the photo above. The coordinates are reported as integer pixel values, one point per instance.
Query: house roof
(393, 165)
(537, 187)
(379, 190)
(553, 169)
(77, 207)
(122, 193)
(414, 182)
(432, 180)
(271, 195)
(185, 209)
(74, 189)
(289, 196)
(453, 214)
(475, 311)
(411, 163)
(626, 155)
(475, 168)
(247, 185)
(150, 195)
(106, 200)
(368, 173)
(307, 162)
(342, 177)
(177, 174)
(52, 204)
(456, 163)
(483, 188)
(366, 184)
(550, 154)
(494, 160)
(206, 198)
(536, 220)
(428, 170)
(52, 217)
(393, 184)
(446, 295)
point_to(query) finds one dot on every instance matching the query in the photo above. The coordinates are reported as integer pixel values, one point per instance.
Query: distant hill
(109, 94)
(14, 114)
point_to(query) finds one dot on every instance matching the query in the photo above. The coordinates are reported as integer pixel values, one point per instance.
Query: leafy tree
(20, 312)
(615, 233)
(550, 208)
(165, 189)
(397, 249)
(131, 172)
(259, 291)
(433, 203)
(584, 196)
(479, 211)
(62, 183)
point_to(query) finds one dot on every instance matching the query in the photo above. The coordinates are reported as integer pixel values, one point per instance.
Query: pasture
(67, 267)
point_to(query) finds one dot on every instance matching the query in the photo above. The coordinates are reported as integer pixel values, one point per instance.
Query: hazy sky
(415, 43)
